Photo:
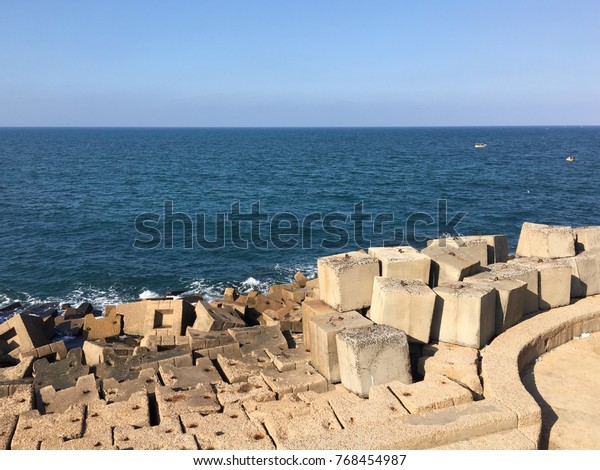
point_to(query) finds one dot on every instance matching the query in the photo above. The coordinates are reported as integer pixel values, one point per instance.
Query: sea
(110, 215)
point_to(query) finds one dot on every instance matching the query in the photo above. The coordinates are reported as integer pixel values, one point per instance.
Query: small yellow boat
(480, 146)
(570, 158)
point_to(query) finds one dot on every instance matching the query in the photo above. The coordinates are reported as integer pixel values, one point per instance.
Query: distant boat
(570, 158)
(480, 146)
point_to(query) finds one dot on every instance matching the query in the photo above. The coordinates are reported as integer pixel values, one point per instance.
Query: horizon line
(301, 127)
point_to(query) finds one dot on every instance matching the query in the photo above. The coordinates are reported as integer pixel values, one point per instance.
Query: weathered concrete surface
(546, 241)
(52, 351)
(554, 281)
(585, 273)
(230, 430)
(404, 304)
(19, 371)
(238, 369)
(458, 363)
(465, 314)
(565, 383)
(185, 378)
(10, 409)
(60, 374)
(521, 272)
(518, 347)
(145, 380)
(103, 327)
(288, 359)
(402, 262)
(587, 238)
(84, 391)
(22, 333)
(373, 355)
(172, 403)
(167, 435)
(302, 379)
(433, 393)
(323, 349)
(311, 309)
(510, 299)
(156, 316)
(211, 318)
(258, 338)
(474, 249)
(346, 280)
(447, 265)
(497, 247)
(255, 389)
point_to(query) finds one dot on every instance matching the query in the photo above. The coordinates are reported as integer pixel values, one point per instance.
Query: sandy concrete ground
(566, 384)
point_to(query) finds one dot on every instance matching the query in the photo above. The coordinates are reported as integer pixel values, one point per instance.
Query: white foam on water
(148, 294)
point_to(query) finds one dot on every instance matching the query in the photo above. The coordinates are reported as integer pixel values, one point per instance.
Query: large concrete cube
(497, 247)
(402, 262)
(554, 281)
(156, 316)
(211, 318)
(371, 356)
(22, 333)
(311, 309)
(448, 266)
(546, 241)
(519, 272)
(323, 348)
(587, 238)
(465, 314)
(346, 280)
(404, 304)
(510, 300)
(585, 273)
(475, 249)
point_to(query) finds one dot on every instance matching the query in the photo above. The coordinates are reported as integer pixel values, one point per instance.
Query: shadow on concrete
(549, 417)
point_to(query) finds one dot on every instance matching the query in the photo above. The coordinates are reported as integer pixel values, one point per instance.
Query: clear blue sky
(299, 63)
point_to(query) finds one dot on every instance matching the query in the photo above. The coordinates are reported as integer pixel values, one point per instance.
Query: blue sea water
(69, 197)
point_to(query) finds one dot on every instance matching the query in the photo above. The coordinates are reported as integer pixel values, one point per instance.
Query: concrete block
(241, 368)
(310, 309)
(100, 351)
(458, 363)
(497, 247)
(404, 304)
(185, 378)
(208, 339)
(179, 356)
(172, 403)
(355, 412)
(546, 241)
(22, 333)
(474, 249)
(22, 369)
(465, 314)
(84, 391)
(20, 401)
(211, 318)
(554, 281)
(255, 389)
(258, 338)
(301, 279)
(168, 435)
(64, 327)
(303, 379)
(519, 272)
(103, 327)
(288, 359)
(289, 420)
(160, 316)
(230, 430)
(134, 411)
(98, 441)
(447, 265)
(346, 280)
(323, 349)
(232, 349)
(33, 429)
(60, 374)
(8, 423)
(402, 262)
(114, 391)
(510, 300)
(585, 273)
(160, 342)
(433, 393)
(587, 238)
(371, 356)
(230, 294)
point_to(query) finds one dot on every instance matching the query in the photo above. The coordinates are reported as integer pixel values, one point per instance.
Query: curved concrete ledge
(508, 355)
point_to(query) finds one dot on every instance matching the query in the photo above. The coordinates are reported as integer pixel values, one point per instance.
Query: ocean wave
(148, 294)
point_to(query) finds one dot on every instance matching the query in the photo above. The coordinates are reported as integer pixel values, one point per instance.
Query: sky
(222, 63)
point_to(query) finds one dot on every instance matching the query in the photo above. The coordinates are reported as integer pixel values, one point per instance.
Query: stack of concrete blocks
(402, 262)
(447, 265)
(473, 249)
(373, 355)
(403, 304)
(157, 317)
(23, 333)
(323, 345)
(346, 280)
(465, 314)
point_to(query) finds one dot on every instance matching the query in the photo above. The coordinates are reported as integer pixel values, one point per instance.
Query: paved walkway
(566, 384)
